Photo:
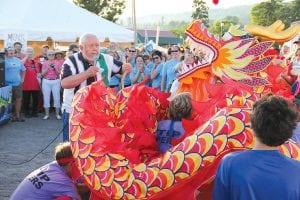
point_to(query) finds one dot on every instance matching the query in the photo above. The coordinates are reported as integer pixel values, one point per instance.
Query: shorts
(17, 92)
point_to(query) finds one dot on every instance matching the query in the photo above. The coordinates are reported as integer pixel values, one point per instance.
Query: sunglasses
(132, 51)
(174, 51)
(155, 57)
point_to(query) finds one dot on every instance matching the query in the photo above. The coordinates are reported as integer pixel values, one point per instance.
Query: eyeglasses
(155, 57)
(174, 51)
(132, 51)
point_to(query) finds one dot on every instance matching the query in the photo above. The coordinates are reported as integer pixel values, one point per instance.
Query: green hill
(151, 21)
(242, 12)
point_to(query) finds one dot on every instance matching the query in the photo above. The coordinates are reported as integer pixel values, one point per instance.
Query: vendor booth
(60, 20)
(50, 22)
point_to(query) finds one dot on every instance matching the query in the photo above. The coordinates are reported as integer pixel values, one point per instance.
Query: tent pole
(134, 22)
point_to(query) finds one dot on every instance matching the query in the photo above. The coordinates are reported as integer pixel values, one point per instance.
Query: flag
(105, 62)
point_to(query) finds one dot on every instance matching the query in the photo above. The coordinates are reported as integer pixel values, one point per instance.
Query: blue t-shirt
(47, 182)
(257, 175)
(156, 82)
(114, 81)
(134, 72)
(13, 68)
(169, 73)
(150, 66)
(166, 130)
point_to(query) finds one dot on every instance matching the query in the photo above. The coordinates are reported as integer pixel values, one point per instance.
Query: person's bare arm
(82, 189)
(134, 79)
(163, 83)
(154, 73)
(23, 76)
(24, 59)
(127, 67)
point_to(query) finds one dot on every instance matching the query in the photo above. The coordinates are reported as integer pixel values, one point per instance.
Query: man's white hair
(85, 36)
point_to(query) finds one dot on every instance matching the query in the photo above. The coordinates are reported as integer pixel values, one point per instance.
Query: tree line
(264, 13)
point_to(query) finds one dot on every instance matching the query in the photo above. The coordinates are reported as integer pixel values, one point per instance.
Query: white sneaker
(58, 117)
(46, 117)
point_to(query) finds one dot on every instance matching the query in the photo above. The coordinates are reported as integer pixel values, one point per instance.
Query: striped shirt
(82, 65)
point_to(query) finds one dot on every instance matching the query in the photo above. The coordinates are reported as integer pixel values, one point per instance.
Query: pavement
(21, 141)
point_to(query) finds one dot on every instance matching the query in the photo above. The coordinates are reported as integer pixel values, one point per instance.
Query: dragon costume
(113, 135)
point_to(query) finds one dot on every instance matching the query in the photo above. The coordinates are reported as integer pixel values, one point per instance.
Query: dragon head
(238, 59)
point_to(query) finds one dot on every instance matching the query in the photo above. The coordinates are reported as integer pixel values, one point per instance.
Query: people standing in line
(39, 60)
(59, 56)
(18, 50)
(149, 64)
(31, 86)
(73, 48)
(130, 58)
(53, 180)
(156, 72)
(51, 84)
(139, 73)
(115, 79)
(14, 76)
(79, 70)
(186, 63)
(262, 173)
(285, 55)
(293, 73)
(297, 43)
(169, 73)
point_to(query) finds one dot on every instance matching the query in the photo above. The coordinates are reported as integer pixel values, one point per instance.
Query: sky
(147, 7)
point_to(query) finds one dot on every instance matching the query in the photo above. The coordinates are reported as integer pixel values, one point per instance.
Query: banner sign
(12, 37)
(5, 104)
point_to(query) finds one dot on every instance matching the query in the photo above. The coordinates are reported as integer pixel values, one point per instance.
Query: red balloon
(215, 1)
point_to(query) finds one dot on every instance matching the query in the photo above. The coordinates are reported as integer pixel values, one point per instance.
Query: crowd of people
(53, 75)
(37, 80)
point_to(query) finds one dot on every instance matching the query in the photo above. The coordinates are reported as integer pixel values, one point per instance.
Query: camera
(51, 65)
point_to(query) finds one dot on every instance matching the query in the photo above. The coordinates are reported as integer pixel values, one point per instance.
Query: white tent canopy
(59, 19)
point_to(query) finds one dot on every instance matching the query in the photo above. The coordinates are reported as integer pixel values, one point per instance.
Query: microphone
(95, 59)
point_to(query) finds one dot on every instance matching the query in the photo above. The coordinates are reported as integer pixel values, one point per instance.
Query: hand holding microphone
(93, 70)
